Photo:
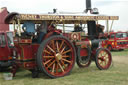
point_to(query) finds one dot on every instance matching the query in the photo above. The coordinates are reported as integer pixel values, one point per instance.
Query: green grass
(120, 53)
(116, 75)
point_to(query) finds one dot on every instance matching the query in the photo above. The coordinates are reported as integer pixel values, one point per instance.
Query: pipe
(88, 6)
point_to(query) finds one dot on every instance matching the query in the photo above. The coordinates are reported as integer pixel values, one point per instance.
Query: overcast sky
(108, 7)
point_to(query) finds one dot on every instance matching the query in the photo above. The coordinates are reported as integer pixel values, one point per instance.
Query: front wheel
(56, 56)
(85, 65)
(103, 58)
(83, 57)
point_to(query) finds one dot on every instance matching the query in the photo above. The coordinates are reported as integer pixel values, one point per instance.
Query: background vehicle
(5, 48)
(116, 41)
(58, 50)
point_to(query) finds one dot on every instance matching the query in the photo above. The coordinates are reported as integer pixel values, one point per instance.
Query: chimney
(88, 6)
(3, 14)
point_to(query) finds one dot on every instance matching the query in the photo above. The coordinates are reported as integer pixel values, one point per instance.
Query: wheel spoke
(100, 55)
(105, 54)
(100, 62)
(63, 49)
(107, 59)
(67, 51)
(47, 61)
(47, 52)
(66, 60)
(49, 56)
(53, 68)
(61, 44)
(51, 63)
(63, 64)
(57, 46)
(105, 63)
(60, 67)
(57, 68)
(51, 49)
(65, 56)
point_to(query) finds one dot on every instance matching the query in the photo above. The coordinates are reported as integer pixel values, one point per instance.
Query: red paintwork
(3, 14)
(27, 51)
(25, 41)
(115, 42)
(5, 52)
(27, 54)
(50, 33)
(73, 36)
(83, 52)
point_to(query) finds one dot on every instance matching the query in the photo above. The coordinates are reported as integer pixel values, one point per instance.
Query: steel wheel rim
(104, 59)
(58, 57)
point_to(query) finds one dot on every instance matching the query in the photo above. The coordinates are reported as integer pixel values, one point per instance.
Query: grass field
(116, 75)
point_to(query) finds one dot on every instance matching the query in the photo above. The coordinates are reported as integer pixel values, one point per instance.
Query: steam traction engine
(58, 50)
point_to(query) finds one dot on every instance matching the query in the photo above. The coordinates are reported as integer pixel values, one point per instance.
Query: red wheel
(83, 57)
(84, 65)
(103, 58)
(56, 56)
(88, 63)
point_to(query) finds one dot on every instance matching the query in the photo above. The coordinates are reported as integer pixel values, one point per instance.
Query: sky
(107, 7)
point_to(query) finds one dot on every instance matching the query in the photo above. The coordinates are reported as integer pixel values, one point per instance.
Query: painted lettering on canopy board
(65, 17)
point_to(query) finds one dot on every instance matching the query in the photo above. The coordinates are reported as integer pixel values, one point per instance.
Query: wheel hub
(58, 56)
(102, 58)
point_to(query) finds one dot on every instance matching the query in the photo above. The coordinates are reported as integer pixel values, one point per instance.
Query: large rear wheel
(103, 58)
(56, 56)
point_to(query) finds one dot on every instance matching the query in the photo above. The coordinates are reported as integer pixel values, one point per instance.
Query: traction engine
(53, 51)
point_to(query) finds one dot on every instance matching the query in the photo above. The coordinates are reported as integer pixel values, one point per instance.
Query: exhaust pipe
(88, 6)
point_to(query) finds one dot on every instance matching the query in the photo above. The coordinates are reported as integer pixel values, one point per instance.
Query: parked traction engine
(58, 50)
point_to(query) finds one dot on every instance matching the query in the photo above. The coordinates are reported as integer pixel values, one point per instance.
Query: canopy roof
(63, 17)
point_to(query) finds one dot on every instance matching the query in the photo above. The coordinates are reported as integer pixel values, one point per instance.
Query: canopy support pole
(63, 27)
(111, 25)
(19, 27)
(14, 26)
(107, 26)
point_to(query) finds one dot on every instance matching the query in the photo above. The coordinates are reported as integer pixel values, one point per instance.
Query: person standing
(42, 31)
